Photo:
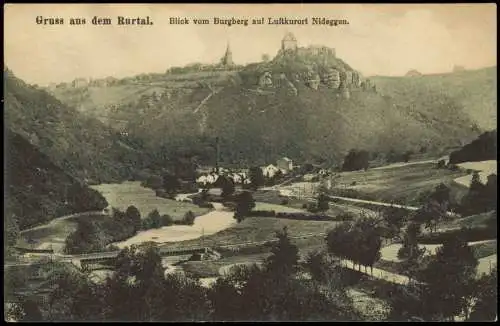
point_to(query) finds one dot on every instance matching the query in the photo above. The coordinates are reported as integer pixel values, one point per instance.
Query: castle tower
(227, 60)
(289, 42)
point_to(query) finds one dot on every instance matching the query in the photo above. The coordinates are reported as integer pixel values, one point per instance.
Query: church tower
(227, 60)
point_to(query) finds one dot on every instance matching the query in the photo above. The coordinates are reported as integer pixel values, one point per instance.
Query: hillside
(37, 190)
(304, 107)
(481, 149)
(475, 90)
(80, 144)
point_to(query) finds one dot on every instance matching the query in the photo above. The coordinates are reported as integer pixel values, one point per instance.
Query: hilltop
(474, 90)
(305, 103)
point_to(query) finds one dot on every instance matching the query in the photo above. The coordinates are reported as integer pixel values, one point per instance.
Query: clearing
(53, 234)
(259, 229)
(399, 183)
(122, 195)
(485, 168)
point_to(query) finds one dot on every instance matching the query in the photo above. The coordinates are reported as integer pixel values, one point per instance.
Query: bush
(441, 164)
(303, 216)
(356, 160)
(312, 207)
(205, 205)
(189, 218)
(261, 213)
(284, 201)
(343, 217)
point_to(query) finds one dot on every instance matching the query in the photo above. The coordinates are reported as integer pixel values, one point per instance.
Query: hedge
(467, 234)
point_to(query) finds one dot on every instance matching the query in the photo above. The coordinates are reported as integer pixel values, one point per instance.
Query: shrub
(344, 217)
(312, 207)
(441, 164)
(261, 213)
(205, 205)
(189, 218)
(284, 201)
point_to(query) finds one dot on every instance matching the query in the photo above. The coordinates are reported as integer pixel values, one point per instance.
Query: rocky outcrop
(356, 79)
(331, 78)
(313, 80)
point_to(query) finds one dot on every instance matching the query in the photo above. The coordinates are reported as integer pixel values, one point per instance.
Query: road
(397, 165)
(62, 218)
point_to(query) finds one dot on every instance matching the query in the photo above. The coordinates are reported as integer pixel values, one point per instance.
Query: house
(202, 180)
(269, 171)
(285, 164)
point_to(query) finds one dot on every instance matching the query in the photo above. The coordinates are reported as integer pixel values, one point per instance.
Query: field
(473, 221)
(53, 234)
(257, 229)
(404, 184)
(287, 204)
(125, 194)
(484, 251)
(485, 167)
(260, 206)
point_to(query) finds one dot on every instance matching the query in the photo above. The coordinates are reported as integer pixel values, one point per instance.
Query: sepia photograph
(250, 162)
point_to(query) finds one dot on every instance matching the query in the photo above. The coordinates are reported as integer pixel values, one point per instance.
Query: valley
(290, 188)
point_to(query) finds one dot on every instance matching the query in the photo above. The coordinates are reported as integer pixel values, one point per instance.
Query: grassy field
(473, 221)
(485, 167)
(256, 229)
(482, 251)
(129, 193)
(260, 206)
(53, 234)
(401, 183)
(273, 197)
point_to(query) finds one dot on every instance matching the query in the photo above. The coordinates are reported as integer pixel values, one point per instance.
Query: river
(132, 193)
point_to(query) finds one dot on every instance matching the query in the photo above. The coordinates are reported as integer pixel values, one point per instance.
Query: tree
(356, 160)
(166, 220)
(435, 209)
(256, 177)
(367, 241)
(480, 198)
(410, 244)
(11, 234)
(227, 185)
(154, 219)
(449, 276)
(339, 240)
(317, 265)
(265, 57)
(323, 205)
(410, 252)
(277, 177)
(284, 255)
(134, 216)
(188, 218)
(394, 219)
(407, 156)
(170, 183)
(485, 308)
(31, 311)
(244, 204)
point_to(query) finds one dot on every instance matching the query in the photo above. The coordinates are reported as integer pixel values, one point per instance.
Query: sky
(381, 39)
